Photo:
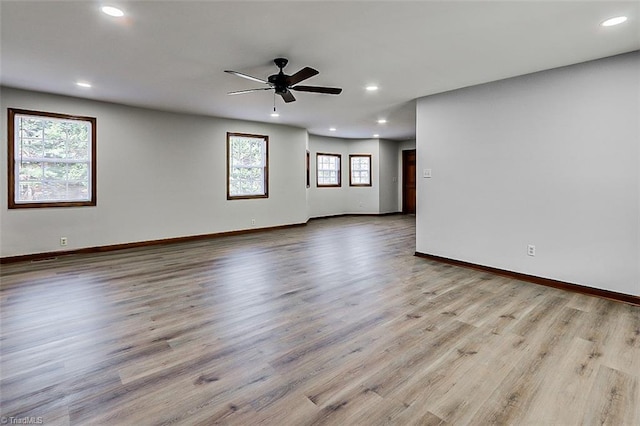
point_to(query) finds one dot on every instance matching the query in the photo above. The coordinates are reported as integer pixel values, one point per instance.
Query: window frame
(368, 157)
(12, 166)
(265, 167)
(339, 174)
(308, 169)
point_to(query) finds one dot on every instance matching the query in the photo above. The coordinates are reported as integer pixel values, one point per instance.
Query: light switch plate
(426, 173)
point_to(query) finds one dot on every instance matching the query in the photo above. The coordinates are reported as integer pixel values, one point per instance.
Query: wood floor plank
(511, 402)
(334, 323)
(565, 396)
(613, 399)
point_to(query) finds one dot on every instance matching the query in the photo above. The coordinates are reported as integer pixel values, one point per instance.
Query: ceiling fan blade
(287, 96)
(240, 92)
(303, 74)
(318, 89)
(247, 76)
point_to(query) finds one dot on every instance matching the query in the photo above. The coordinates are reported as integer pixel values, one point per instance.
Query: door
(409, 181)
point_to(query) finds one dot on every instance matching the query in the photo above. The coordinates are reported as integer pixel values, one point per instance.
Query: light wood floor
(333, 323)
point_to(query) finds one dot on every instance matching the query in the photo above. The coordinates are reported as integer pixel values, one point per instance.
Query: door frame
(405, 154)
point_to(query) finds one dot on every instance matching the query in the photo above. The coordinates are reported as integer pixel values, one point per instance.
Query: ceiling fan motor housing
(279, 81)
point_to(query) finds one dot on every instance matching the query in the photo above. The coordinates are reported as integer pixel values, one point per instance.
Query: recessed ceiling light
(372, 88)
(382, 121)
(112, 11)
(376, 135)
(614, 21)
(83, 84)
(332, 129)
(275, 114)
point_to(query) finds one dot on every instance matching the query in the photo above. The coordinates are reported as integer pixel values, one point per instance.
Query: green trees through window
(328, 170)
(52, 160)
(360, 170)
(247, 166)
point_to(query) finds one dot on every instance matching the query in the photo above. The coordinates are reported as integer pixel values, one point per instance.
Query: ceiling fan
(283, 84)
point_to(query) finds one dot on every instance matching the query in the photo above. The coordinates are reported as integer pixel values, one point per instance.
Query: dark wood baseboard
(576, 288)
(331, 216)
(100, 249)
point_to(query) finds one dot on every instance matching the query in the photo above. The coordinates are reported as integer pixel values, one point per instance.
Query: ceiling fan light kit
(283, 84)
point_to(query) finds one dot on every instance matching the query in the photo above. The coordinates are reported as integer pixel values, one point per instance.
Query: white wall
(363, 199)
(330, 201)
(160, 175)
(388, 176)
(550, 159)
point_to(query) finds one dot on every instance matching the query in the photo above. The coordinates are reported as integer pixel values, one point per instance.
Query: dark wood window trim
(12, 204)
(265, 168)
(351, 173)
(308, 169)
(321, 185)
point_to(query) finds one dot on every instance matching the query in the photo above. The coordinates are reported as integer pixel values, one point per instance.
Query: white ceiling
(171, 55)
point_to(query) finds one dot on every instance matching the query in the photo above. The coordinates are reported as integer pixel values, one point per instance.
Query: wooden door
(409, 181)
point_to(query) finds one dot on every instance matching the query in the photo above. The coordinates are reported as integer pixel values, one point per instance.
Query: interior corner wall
(388, 176)
(363, 199)
(549, 159)
(331, 201)
(160, 175)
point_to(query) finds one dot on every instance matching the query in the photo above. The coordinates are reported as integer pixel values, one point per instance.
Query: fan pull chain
(274, 113)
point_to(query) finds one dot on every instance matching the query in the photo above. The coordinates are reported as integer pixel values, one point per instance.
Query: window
(247, 166)
(328, 169)
(360, 170)
(52, 160)
(308, 169)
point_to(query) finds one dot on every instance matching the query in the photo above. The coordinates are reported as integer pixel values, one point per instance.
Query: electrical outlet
(531, 250)
(253, 222)
(63, 241)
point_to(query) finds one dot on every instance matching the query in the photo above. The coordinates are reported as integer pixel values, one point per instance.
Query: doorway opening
(409, 181)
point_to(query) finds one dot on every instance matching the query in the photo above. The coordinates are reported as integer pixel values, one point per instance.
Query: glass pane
(78, 172)
(30, 127)
(77, 131)
(30, 171)
(246, 173)
(54, 130)
(55, 171)
(78, 191)
(54, 148)
(78, 149)
(31, 148)
(54, 191)
(29, 191)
